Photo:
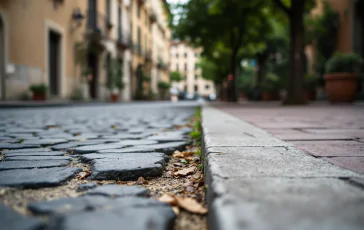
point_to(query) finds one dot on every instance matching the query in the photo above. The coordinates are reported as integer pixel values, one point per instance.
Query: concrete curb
(256, 181)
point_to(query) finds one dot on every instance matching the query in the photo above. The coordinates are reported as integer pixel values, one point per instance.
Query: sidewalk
(258, 181)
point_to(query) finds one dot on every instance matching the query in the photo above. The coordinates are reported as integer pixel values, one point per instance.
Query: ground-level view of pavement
(48, 155)
(302, 169)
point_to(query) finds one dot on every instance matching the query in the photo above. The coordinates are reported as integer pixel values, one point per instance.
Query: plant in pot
(310, 82)
(270, 87)
(163, 87)
(115, 80)
(39, 92)
(341, 78)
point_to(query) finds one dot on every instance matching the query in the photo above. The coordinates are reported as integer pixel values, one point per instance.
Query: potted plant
(115, 80)
(39, 91)
(163, 88)
(310, 82)
(341, 77)
(270, 87)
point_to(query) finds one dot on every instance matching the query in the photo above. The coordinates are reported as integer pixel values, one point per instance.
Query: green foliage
(38, 88)
(162, 85)
(175, 76)
(146, 78)
(310, 81)
(344, 63)
(271, 83)
(321, 30)
(115, 72)
(246, 79)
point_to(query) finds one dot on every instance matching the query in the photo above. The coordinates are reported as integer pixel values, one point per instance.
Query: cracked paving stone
(37, 178)
(147, 218)
(36, 158)
(11, 220)
(7, 165)
(125, 166)
(167, 148)
(113, 190)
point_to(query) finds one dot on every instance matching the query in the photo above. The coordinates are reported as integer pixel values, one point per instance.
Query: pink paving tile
(332, 148)
(355, 164)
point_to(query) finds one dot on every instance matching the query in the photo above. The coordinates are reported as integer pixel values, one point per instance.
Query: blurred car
(212, 97)
(185, 96)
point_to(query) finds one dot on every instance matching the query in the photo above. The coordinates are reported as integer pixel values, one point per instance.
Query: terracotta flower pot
(269, 96)
(341, 87)
(310, 95)
(39, 96)
(114, 97)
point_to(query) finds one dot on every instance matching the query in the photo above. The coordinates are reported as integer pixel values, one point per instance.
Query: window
(177, 67)
(108, 11)
(196, 66)
(196, 54)
(207, 87)
(119, 22)
(176, 55)
(185, 55)
(196, 76)
(185, 77)
(185, 66)
(139, 39)
(196, 88)
(185, 88)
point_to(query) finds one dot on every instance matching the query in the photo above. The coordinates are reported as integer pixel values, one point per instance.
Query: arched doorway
(2, 59)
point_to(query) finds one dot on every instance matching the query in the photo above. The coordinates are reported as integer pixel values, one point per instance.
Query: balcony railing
(123, 40)
(148, 55)
(98, 24)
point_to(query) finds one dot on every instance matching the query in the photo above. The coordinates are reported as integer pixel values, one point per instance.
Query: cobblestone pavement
(332, 132)
(46, 147)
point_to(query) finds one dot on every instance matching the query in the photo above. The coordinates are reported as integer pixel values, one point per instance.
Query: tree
(175, 76)
(295, 13)
(207, 22)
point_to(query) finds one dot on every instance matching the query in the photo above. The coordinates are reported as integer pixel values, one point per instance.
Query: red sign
(230, 77)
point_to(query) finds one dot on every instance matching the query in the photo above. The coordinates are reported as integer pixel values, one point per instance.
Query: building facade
(70, 45)
(185, 59)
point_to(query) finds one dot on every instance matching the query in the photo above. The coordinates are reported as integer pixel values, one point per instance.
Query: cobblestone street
(48, 147)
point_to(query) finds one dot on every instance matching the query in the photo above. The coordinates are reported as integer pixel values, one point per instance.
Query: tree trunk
(232, 89)
(260, 64)
(295, 93)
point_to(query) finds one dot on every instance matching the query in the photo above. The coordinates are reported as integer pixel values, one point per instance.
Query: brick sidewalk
(333, 133)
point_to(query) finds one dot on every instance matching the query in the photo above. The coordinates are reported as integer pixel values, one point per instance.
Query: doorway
(2, 59)
(54, 41)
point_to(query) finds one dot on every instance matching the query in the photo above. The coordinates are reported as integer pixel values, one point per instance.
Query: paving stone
(113, 190)
(166, 148)
(7, 165)
(168, 137)
(85, 187)
(160, 218)
(87, 202)
(355, 164)
(125, 136)
(15, 146)
(37, 178)
(283, 203)
(36, 158)
(313, 136)
(74, 144)
(44, 142)
(359, 181)
(126, 166)
(33, 152)
(243, 141)
(331, 148)
(95, 148)
(11, 220)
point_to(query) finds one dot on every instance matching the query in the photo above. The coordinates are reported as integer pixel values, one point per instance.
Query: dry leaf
(141, 181)
(190, 205)
(179, 154)
(82, 175)
(168, 199)
(175, 210)
(178, 164)
(185, 172)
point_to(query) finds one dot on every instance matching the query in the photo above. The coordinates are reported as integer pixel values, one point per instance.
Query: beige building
(185, 59)
(69, 45)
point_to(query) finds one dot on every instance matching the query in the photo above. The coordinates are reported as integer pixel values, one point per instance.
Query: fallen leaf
(168, 199)
(179, 154)
(141, 181)
(185, 172)
(175, 210)
(82, 175)
(190, 205)
(178, 164)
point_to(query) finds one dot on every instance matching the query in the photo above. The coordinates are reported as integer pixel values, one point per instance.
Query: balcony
(141, 2)
(153, 17)
(98, 26)
(148, 55)
(123, 42)
(161, 64)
